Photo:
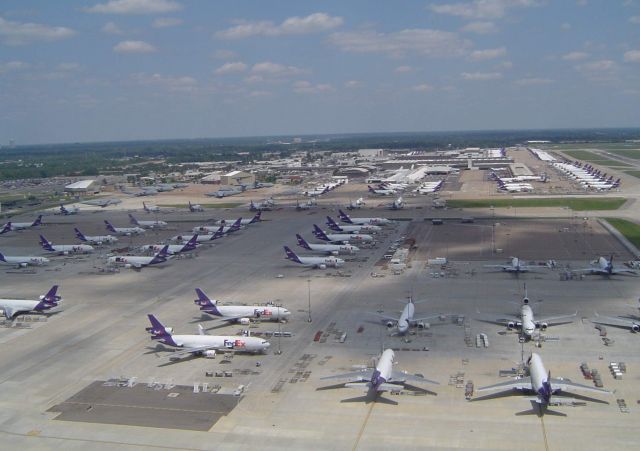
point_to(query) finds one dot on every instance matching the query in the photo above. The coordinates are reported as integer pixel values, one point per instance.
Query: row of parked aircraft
(338, 240)
(208, 345)
(587, 176)
(600, 266)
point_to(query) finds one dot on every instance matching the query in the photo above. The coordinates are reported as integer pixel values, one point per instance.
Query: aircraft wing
(8, 312)
(386, 317)
(497, 266)
(618, 270)
(359, 376)
(502, 321)
(613, 321)
(554, 320)
(198, 349)
(401, 376)
(590, 270)
(440, 316)
(515, 384)
(567, 386)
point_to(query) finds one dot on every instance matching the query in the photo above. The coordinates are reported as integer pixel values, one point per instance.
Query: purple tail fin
(302, 243)
(79, 234)
(133, 220)
(317, 231)
(51, 297)
(2, 257)
(206, 304)
(37, 222)
(344, 217)
(46, 245)
(6, 228)
(256, 218)
(159, 332)
(332, 224)
(109, 226)
(291, 255)
(191, 244)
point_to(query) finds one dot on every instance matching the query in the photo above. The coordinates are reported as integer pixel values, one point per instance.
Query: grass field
(628, 153)
(577, 204)
(220, 205)
(630, 230)
(633, 173)
(591, 157)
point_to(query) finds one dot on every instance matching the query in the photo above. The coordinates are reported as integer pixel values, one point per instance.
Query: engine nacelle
(335, 253)
(209, 354)
(244, 321)
(168, 330)
(323, 266)
(390, 324)
(127, 265)
(23, 265)
(423, 325)
(635, 328)
(543, 326)
(511, 325)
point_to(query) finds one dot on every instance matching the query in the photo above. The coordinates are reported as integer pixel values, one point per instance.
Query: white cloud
(403, 69)
(599, 71)
(268, 68)
(533, 81)
(632, 56)
(17, 33)
(481, 9)
(166, 22)
(313, 23)
(306, 87)
(480, 28)
(135, 7)
(11, 66)
(422, 41)
(68, 67)
(112, 28)
(260, 94)
(575, 56)
(134, 47)
(481, 76)
(353, 84)
(505, 65)
(488, 54)
(224, 54)
(174, 84)
(424, 87)
(231, 68)
(634, 19)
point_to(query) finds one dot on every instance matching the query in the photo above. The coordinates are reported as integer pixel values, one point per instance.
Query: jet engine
(423, 325)
(209, 354)
(322, 266)
(635, 327)
(511, 325)
(22, 265)
(543, 326)
(128, 265)
(390, 324)
(244, 321)
(335, 253)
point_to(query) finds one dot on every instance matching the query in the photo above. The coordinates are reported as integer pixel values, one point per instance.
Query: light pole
(309, 298)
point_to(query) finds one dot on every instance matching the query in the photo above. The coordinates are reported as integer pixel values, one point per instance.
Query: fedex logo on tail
(206, 304)
(290, 255)
(317, 231)
(302, 242)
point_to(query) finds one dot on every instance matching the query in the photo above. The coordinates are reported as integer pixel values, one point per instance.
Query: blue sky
(106, 70)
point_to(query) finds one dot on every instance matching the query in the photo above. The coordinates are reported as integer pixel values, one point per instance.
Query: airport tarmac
(100, 335)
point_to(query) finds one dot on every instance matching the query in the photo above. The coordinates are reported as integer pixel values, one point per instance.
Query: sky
(109, 70)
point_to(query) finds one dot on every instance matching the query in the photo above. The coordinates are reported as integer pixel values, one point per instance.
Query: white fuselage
(100, 239)
(320, 262)
(206, 229)
(228, 222)
(222, 342)
(152, 224)
(369, 221)
(406, 317)
(253, 311)
(342, 237)
(528, 321)
(201, 238)
(17, 305)
(359, 228)
(385, 365)
(128, 230)
(171, 249)
(537, 372)
(196, 208)
(130, 261)
(72, 248)
(21, 225)
(334, 248)
(24, 261)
